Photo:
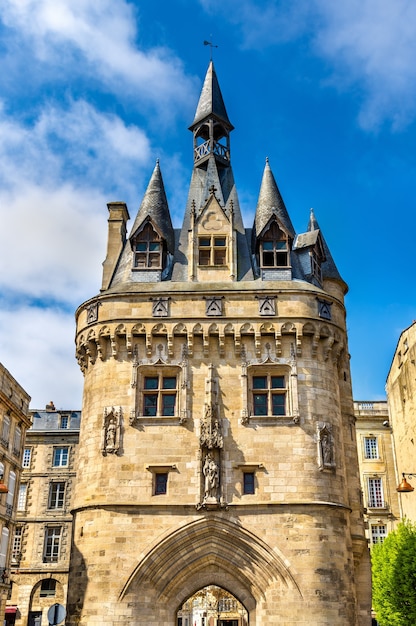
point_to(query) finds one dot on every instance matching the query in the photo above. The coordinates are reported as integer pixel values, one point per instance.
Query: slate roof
(155, 206)
(329, 269)
(270, 202)
(211, 101)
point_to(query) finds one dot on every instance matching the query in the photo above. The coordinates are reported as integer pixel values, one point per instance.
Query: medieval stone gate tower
(217, 443)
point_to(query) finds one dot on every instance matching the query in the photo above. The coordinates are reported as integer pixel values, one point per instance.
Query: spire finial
(211, 45)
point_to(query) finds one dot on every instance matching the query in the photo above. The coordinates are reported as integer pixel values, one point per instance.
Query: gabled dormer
(273, 246)
(273, 232)
(211, 242)
(152, 236)
(310, 249)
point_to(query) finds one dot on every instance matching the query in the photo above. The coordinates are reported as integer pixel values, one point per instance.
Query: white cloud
(56, 178)
(37, 347)
(97, 39)
(366, 44)
(373, 43)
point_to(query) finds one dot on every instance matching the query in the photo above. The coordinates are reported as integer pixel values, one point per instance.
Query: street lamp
(406, 487)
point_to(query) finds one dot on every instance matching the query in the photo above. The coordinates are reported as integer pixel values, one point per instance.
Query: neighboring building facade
(401, 397)
(15, 420)
(378, 471)
(217, 446)
(42, 538)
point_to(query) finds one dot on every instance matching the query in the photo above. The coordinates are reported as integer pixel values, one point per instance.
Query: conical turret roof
(270, 203)
(211, 102)
(155, 206)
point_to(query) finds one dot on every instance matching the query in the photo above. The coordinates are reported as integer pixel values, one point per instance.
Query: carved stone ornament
(326, 456)
(92, 312)
(211, 435)
(324, 309)
(110, 440)
(160, 307)
(213, 306)
(267, 305)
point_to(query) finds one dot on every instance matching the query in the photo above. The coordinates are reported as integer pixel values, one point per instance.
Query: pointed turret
(211, 127)
(212, 176)
(270, 203)
(211, 102)
(154, 207)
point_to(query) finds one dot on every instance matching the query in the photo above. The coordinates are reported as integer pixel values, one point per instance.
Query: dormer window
(274, 248)
(148, 249)
(212, 250)
(316, 261)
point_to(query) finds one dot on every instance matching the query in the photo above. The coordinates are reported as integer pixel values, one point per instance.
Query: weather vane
(211, 45)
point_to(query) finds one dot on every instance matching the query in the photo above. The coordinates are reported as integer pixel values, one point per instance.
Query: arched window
(148, 249)
(274, 248)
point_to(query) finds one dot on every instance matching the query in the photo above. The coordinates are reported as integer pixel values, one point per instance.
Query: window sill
(274, 419)
(157, 419)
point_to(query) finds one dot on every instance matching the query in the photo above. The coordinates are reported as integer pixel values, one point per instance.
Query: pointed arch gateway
(210, 551)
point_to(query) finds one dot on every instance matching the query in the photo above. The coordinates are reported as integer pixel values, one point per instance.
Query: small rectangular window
(161, 483)
(48, 588)
(378, 533)
(17, 545)
(17, 441)
(60, 457)
(5, 433)
(375, 493)
(370, 448)
(21, 499)
(248, 483)
(56, 495)
(27, 457)
(64, 421)
(52, 544)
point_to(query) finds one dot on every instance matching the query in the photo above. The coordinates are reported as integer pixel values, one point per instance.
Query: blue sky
(92, 93)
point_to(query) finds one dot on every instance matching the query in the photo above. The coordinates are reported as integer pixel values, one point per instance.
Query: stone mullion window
(212, 250)
(158, 392)
(270, 391)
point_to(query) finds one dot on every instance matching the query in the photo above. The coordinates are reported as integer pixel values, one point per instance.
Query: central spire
(211, 123)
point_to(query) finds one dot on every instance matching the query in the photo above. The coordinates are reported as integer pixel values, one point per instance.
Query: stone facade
(401, 388)
(14, 416)
(42, 541)
(377, 462)
(217, 445)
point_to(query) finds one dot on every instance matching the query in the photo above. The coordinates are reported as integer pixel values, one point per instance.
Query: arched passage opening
(212, 551)
(212, 606)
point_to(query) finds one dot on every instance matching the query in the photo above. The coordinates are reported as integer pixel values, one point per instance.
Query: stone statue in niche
(212, 479)
(111, 431)
(326, 458)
